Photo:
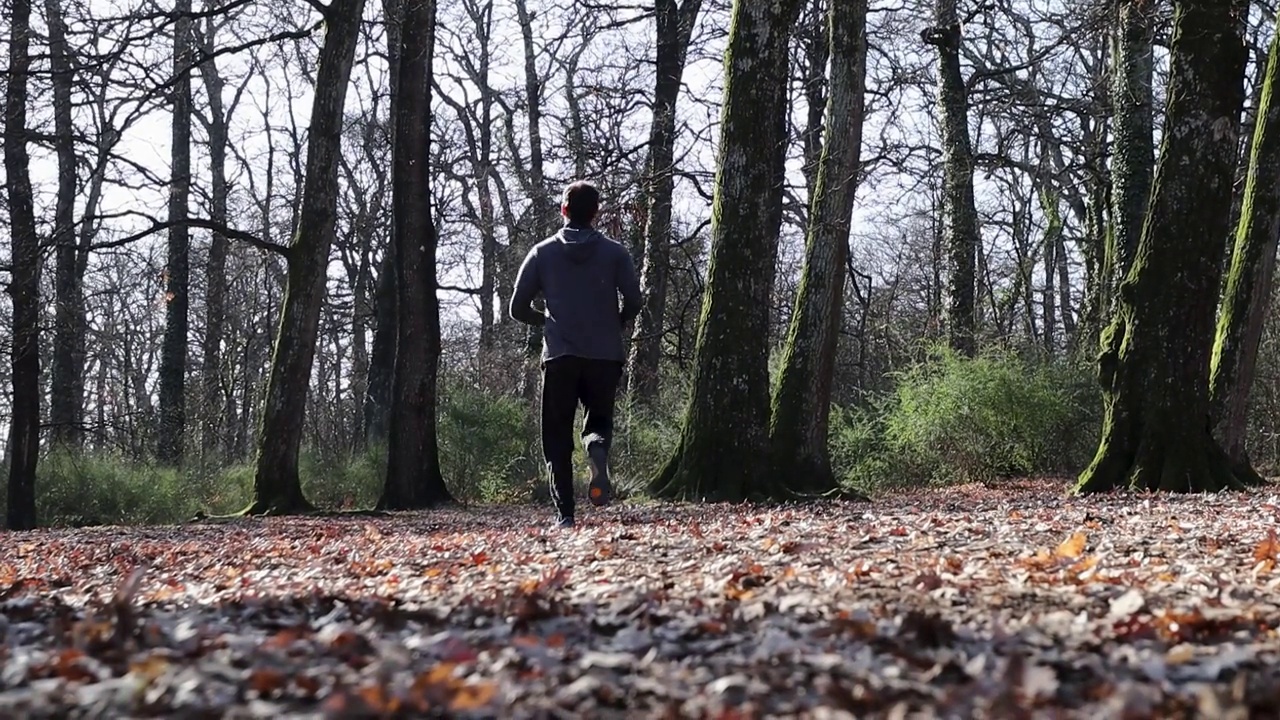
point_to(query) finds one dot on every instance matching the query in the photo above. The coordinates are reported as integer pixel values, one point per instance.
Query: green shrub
(484, 445)
(953, 419)
(643, 441)
(77, 490)
(350, 483)
(227, 490)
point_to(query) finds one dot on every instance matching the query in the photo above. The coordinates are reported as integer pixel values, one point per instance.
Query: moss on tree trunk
(802, 399)
(277, 489)
(1154, 365)
(724, 449)
(1133, 154)
(961, 234)
(413, 478)
(1244, 305)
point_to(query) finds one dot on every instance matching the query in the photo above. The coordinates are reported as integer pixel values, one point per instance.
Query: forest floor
(1002, 601)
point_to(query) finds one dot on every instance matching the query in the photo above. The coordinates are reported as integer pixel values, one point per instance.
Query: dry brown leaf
(472, 697)
(1072, 547)
(1268, 549)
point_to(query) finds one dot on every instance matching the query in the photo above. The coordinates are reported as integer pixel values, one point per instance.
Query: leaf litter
(1008, 601)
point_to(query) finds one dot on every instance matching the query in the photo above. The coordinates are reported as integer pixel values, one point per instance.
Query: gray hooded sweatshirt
(580, 274)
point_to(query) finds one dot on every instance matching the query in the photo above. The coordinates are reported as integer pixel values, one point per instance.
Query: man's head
(581, 203)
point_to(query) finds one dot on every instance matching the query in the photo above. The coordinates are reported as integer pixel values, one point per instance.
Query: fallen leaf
(1073, 546)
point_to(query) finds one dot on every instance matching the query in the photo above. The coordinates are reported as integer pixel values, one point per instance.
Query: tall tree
(802, 397)
(1154, 365)
(215, 271)
(24, 284)
(1133, 154)
(724, 450)
(173, 350)
(66, 397)
(959, 210)
(1253, 262)
(276, 487)
(675, 23)
(535, 185)
(382, 356)
(413, 477)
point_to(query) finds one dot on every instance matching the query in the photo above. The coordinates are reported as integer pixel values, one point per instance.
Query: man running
(579, 273)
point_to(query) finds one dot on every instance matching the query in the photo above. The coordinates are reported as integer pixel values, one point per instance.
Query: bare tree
(723, 452)
(173, 355)
(24, 285)
(675, 23)
(413, 477)
(1252, 272)
(277, 487)
(1156, 353)
(802, 398)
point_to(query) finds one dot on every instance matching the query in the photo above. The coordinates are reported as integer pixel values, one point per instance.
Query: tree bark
(173, 349)
(1132, 71)
(413, 478)
(1253, 261)
(675, 23)
(535, 186)
(961, 234)
(277, 487)
(213, 438)
(1154, 365)
(24, 285)
(815, 45)
(1053, 264)
(802, 397)
(382, 356)
(66, 393)
(723, 452)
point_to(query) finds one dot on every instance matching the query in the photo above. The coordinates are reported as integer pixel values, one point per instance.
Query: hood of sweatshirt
(579, 243)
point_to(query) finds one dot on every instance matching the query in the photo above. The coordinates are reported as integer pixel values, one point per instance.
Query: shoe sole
(599, 491)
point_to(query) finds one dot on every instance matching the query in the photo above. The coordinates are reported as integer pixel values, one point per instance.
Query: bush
(954, 419)
(643, 440)
(484, 445)
(80, 490)
(353, 482)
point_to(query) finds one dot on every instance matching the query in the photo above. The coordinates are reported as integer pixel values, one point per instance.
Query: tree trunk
(213, 438)
(173, 349)
(802, 398)
(24, 285)
(1132, 155)
(382, 356)
(1094, 310)
(66, 394)
(959, 211)
(1154, 365)
(675, 27)
(1052, 265)
(1248, 293)
(536, 186)
(723, 452)
(815, 47)
(277, 488)
(413, 477)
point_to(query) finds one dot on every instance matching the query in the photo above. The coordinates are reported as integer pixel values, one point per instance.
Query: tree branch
(204, 223)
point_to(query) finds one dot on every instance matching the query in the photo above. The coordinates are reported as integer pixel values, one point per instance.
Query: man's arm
(527, 287)
(629, 286)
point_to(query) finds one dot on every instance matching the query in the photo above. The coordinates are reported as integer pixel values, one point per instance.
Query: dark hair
(582, 202)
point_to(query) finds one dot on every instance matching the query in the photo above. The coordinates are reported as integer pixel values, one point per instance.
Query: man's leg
(559, 403)
(598, 388)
